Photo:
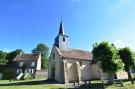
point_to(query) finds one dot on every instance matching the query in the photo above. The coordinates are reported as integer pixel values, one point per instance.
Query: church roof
(61, 30)
(24, 57)
(76, 54)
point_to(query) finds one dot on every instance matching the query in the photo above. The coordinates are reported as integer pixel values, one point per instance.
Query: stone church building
(68, 65)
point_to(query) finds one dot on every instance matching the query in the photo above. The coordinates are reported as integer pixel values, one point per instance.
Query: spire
(61, 30)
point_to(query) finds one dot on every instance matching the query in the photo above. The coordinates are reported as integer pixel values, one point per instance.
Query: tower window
(64, 39)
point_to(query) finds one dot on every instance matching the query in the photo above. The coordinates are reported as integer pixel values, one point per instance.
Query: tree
(13, 54)
(44, 50)
(107, 56)
(128, 58)
(3, 59)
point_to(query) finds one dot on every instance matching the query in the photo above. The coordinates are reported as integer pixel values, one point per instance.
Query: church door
(53, 73)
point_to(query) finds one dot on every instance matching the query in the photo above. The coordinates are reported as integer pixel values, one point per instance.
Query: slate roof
(76, 54)
(61, 30)
(27, 57)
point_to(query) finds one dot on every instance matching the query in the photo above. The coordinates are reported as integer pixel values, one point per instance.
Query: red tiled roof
(27, 57)
(76, 54)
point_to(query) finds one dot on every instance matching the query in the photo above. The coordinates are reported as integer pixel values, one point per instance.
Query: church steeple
(61, 30)
(62, 41)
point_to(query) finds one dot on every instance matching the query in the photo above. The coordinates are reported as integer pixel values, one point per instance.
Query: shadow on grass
(89, 86)
(38, 82)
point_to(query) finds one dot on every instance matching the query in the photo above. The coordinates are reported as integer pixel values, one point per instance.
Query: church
(67, 65)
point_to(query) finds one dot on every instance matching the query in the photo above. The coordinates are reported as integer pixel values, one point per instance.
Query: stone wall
(41, 74)
(122, 75)
(55, 66)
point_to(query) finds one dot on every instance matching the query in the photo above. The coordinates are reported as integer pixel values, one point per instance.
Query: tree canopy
(13, 54)
(44, 50)
(107, 55)
(128, 58)
(3, 59)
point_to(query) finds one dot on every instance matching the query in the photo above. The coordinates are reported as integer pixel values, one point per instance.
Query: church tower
(62, 41)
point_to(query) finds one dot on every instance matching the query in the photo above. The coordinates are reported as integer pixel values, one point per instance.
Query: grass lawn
(27, 84)
(43, 84)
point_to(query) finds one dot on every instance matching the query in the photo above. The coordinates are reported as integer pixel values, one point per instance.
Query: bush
(28, 77)
(9, 74)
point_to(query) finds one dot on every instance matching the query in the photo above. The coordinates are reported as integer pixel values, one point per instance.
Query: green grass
(43, 84)
(28, 84)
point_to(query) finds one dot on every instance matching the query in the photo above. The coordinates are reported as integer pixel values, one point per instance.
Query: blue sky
(25, 23)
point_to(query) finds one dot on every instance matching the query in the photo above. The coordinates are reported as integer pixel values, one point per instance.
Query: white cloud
(6, 50)
(122, 44)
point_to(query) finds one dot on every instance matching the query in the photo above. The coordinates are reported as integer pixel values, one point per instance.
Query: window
(33, 64)
(32, 71)
(64, 39)
(17, 71)
(26, 71)
(20, 63)
(80, 62)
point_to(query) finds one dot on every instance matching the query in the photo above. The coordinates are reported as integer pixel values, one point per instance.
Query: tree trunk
(130, 76)
(111, 77)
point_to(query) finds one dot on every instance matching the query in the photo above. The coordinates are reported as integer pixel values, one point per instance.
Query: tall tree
(128, 58)
(107, 56)
(44, 50)
(3, 59)
(13, 54)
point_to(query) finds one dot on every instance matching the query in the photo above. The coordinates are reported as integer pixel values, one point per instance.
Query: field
(44, 84)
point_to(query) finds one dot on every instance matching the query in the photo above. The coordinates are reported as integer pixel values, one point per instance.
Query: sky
(25, 23)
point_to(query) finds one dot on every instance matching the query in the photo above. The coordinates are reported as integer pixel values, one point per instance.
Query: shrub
(28, 77)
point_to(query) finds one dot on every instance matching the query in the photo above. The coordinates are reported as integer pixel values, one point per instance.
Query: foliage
(108, 56)
(128, 58)
(41, 48)
(44, 50)
(3, 59)
(44, 64)
(28, 77)
(13, 54)
(9, 73)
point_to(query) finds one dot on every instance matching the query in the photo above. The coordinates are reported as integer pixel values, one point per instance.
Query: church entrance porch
(73, 75)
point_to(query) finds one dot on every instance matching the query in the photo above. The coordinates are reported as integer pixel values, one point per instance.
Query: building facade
(27, 65)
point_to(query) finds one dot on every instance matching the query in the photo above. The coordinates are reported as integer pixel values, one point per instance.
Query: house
(67, 65)
(27, 64)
